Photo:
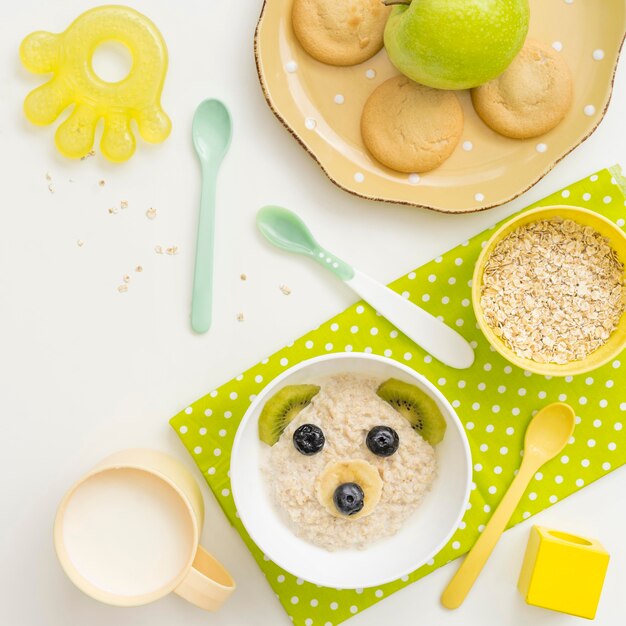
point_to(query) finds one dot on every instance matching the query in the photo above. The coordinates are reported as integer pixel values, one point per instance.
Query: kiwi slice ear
(283, 407)
(416, 406)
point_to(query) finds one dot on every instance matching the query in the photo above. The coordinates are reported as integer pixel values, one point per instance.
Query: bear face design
(344, 495)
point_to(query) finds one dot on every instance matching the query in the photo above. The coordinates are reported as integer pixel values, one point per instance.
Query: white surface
(423, 534)
(85, 370)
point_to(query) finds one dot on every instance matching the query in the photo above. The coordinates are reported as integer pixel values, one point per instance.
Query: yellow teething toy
(68, 57)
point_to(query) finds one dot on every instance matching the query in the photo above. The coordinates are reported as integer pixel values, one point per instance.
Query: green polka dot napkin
(494, 400)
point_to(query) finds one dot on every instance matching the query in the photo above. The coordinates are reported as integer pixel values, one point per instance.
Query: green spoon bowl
(286, 230)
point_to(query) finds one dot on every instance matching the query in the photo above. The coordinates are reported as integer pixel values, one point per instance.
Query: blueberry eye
(308, 439)
(382, 440)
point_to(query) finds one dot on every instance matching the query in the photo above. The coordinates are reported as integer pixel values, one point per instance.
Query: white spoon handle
(434, 336)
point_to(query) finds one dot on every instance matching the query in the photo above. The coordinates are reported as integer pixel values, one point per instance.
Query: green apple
(455, 44)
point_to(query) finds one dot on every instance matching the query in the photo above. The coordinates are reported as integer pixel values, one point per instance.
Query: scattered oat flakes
(172, 250)
(101, 183)
(80, 243)
(158, 249)
(51, 188)
(123, 288)
(243, 277)
(126, 278)
(151, 213)
(124, 204)
(139, 269)
(285, 289)
(240, 317)
(553, 290)
(112, 210)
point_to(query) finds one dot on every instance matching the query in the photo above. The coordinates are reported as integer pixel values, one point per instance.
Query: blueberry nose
(349, 498)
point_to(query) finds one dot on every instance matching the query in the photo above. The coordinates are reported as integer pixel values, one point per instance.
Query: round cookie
(409, 127)
(340, 32)
(530, 97)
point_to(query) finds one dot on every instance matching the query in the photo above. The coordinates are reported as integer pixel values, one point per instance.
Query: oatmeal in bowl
(350, 470)
(549, 290)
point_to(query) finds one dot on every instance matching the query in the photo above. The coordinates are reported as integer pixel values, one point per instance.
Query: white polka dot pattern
(493, 400)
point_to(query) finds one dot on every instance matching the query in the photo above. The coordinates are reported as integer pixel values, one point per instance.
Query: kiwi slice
(281, 408)
(416, 406)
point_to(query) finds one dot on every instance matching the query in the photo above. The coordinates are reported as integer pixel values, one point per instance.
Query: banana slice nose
(349, 489)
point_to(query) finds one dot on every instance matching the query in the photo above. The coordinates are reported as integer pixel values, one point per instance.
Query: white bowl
(424, 534)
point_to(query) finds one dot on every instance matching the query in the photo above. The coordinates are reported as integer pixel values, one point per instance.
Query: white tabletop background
(85, 370)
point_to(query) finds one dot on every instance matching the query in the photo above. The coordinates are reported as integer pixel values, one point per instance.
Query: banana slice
(357, 471)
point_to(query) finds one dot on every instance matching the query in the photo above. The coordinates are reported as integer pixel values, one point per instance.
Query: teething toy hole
(112, 61)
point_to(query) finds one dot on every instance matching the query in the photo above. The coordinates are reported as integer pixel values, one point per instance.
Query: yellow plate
(617, 239)
(301, 92)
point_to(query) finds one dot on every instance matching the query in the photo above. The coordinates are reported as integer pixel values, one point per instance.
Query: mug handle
(208, 584)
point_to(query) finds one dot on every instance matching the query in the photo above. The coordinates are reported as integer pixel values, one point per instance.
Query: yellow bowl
(616, 342)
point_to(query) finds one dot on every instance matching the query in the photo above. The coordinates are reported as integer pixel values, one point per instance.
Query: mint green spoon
(287, 231)
(211, 130)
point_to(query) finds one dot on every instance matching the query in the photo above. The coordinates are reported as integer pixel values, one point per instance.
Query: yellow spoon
(546, 435)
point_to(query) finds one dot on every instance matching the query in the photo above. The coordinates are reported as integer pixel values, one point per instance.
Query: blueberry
(349, 498)
(308, 439)
(382, 440)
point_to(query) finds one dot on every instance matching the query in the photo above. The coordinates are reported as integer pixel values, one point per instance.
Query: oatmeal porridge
(349, 469)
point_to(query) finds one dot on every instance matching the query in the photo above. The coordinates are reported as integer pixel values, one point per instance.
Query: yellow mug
(127, 533)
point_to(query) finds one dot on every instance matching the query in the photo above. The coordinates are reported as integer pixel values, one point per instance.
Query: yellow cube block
(563, 572)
